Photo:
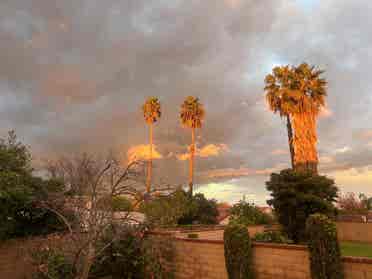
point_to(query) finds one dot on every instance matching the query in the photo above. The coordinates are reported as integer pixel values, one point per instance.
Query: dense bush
(246, 213)
(21, 193)
(297, 195)
(324, 248)
(272, 237)
(121, 204)
(238, 252)
(133, 256)
(166, 211)
(123, 258)
(200, 211)
(180, 209)
(52, 264)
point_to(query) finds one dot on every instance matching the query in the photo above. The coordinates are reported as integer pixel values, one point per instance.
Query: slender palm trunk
(304, 142)
(290, 140)
(191, 167)
(149, 164)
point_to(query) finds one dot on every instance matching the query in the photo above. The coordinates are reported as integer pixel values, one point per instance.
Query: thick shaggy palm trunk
(290, 140)
(191, 167)
(149, 165)
(304, 142)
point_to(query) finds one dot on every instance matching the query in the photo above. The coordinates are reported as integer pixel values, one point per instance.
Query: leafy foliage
(121, 204)
(298, 93)
(180, 208)
(297, 195)
(272, 237)
(123, 258)
(200, 211)
(351, 204)
(132, 256)
(151, 110)
(246, 213)
(21, 193)
(192, 112)
(166, 211)
(51, 264)
(238, 252)
(295, 89)
(324, 249)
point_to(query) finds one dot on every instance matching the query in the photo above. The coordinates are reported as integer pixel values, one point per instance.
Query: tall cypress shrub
(325, 256)
(238, 252)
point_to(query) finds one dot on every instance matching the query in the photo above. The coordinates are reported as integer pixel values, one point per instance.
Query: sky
(74, 74)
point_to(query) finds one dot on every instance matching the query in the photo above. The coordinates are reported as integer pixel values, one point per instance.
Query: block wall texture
(353, 231)
(198, 258)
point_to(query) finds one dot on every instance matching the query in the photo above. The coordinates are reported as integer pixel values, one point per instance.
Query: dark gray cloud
(73, 75)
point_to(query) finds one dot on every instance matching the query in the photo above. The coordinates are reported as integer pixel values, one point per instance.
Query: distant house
(266, 209)
(223, 213)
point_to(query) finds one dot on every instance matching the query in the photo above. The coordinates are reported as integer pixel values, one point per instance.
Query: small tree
(93, 183)
(21, 191)
(297, 195)
(238, 252)
(246, 213)
(325, 256)
(349, 203)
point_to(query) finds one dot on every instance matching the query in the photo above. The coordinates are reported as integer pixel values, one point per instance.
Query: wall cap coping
(363, 260)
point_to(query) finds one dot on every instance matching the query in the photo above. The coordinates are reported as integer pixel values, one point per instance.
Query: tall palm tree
(298, 93)
(192, 115)
(151, 112)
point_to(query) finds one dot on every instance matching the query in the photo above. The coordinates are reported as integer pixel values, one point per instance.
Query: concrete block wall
(354, 231)
(204, 259)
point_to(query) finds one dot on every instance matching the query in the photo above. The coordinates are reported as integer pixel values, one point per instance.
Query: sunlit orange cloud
(232, 3)
(210, 150)
(142, 152)
(366, 134)
(278, 152)
(326, 159)
(325, 112)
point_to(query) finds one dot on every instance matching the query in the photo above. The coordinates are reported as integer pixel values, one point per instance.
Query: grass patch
(356, 249)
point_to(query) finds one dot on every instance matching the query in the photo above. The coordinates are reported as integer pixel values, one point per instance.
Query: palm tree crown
(192, 113)
(295, 90)
(151, 110)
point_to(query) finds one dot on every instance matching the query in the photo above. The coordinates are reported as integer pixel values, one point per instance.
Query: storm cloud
(74, 74)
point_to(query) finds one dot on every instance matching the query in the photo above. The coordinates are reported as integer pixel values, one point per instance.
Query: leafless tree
(91, 185)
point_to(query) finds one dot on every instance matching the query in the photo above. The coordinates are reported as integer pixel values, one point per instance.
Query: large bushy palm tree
(192, 115)
(298, 93)
(151, 112)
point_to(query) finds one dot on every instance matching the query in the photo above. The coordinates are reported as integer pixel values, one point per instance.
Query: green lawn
(356, 249)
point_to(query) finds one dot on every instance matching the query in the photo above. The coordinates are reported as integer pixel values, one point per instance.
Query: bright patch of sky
(308, 5)
(234, 190)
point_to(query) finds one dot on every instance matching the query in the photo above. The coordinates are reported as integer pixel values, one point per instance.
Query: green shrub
(132, 256)
(52, 264)
(21, 193)
(180, 209)
(166, 211)
(297, 195)
(123, 258)
(121, 204)
(272, 237)
(325, 256)
(246, 213)
(238, 252)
